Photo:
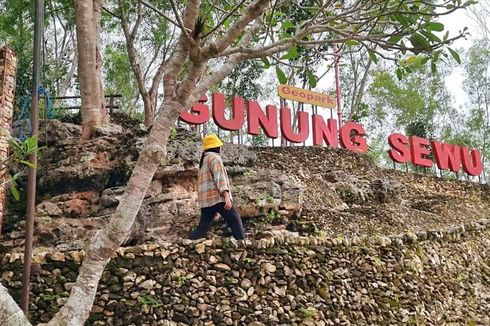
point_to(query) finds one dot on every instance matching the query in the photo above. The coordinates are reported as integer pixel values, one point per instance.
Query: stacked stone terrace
(334, 240)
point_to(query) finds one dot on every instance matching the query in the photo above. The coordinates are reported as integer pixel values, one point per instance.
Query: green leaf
(436, 26)
(436, 55)
(281, 76)
(419, 42)
(395, 39)
(292, 54)
(433, 67)
(455, 55)
(351, 43)
(31, 143)
(446, 36)
(372, 55)
(266, 62)
(311, 78)
(399, 73)
(29, 164)
(287, 25)
(14, 190)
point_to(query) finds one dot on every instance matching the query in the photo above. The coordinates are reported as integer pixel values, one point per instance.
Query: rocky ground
(318, 191)
(334, 240)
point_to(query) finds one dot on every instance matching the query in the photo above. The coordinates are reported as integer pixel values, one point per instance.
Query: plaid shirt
(213, 181)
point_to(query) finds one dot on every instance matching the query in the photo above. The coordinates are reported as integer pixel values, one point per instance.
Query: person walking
(214, 194)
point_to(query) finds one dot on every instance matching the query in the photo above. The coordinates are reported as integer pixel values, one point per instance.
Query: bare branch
(229, 14)
(179, 20)
(159, 12)
(253, 11)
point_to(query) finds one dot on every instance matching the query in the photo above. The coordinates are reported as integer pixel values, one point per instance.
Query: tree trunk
(10, 313)
(149, 104)
(104, 244)
(88, 70)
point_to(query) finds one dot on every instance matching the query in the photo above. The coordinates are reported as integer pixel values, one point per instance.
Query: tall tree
(87, 19)
(477, 85)
(144, 28)
(205, 54)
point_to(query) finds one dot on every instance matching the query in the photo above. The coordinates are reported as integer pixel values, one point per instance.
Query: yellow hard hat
(211, 141)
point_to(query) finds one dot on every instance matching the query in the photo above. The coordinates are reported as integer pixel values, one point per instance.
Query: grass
(150, 300)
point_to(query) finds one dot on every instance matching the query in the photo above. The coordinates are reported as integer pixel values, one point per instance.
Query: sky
(454, 23)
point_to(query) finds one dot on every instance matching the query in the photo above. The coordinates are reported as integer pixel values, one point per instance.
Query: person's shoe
(234, 242)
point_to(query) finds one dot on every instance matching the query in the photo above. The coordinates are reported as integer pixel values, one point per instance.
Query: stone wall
(8, 63)
(428, 278)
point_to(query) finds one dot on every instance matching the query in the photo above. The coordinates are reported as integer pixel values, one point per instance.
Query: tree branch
(253, 11)
(179, 20)
(159, 12)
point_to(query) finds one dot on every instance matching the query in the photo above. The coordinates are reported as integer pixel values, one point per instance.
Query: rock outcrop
(428, 278)
(333, 239)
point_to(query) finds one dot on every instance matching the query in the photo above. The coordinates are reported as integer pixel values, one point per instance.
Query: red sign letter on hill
(201, 110)
(420, 149)
(257, 117)
(473, 166)
(327, 132)
(237, 108)
(287, 129)
(400, 151)
(447, 156)
(351, 137)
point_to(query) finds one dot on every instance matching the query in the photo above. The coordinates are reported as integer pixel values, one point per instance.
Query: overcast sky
(454, 23)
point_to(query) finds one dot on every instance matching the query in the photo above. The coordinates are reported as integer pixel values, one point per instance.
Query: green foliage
(150, 300)
(307, 313)
(180, 280)
(413, 102)
(248, 172)
(281, 76)
(18, 159)
(173, 134)
(49, 297)
(119, 78)
(272, 216)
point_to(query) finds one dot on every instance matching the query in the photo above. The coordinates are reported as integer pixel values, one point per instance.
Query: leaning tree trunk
(88, 73)
(10, 313)
(77, 308)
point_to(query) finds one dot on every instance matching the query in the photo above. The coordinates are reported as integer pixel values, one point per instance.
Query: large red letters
(256, 118)
(199, 113)
(419, 148)
(448, 156)
(473, 166)
(322, 131)
(237, 109)
(287, 130)
(351, 135)
(400, 151)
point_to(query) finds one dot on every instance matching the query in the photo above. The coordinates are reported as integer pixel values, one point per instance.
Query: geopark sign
(351, 135)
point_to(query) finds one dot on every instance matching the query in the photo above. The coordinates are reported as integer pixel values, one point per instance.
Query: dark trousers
(231, 217)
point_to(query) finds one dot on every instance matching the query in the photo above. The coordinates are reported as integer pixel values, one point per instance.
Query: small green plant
(248, 172)
(307, 313)
(173, 133)
(378, 262)
(272, 216)
(180, 280)
(50, 297)
(150, 300)
(21, 149)
(249, 260)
